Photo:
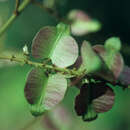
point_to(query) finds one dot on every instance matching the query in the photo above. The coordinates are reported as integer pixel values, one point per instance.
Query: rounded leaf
(81, 23)
(44, 92)
(105, 102)
(42, 43)
(113, 43)
(91, 61)
(65, 53)
(124, 77)
(113, 63)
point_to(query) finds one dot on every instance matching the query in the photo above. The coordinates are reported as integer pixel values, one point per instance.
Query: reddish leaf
(124, 77)
(104, 102)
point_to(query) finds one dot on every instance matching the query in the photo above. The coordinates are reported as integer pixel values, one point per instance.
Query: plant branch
(70, 72)
(16, 7)
(18, 10)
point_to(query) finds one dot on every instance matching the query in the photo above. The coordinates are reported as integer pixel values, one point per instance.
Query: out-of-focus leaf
(124, 77)
(112, 60)
(43, 92)
(3, 0)
(56, 44)
(113, 43)
(82, 24)
(61, 117)
(105, 102)
(112, 57)
(49, 3)
(91, 61)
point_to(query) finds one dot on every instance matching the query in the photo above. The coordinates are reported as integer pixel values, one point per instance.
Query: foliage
(58, 63)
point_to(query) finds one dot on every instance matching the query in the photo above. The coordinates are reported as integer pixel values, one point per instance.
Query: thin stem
(16, 7)
(50, 11)
(71, 72)
(14, 15)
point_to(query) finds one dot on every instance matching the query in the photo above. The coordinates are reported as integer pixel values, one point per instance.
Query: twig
(16, 7)
(71, 72)
(50, 11)
(14, 15)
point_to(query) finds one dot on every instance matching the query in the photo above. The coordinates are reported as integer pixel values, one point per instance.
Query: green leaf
(80, 28)
(56, 44)
(49, 3)
(44, 92)
(91, 61)
(113, 43)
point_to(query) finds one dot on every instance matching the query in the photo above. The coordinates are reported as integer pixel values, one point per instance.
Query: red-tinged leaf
(78, 15)
(94, 98)
(124, 77)
(43, 92)
(104, 102)
(78, 62)
(118, 65)
(110, 71)
(34, 85)
(81, 101)
(42, 42)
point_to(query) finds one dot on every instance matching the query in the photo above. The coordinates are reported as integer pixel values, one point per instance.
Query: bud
(25, 50)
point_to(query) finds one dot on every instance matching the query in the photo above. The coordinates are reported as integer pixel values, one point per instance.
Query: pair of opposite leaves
(44, 91)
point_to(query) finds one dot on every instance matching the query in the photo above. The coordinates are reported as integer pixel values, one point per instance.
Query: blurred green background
(14, 113)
